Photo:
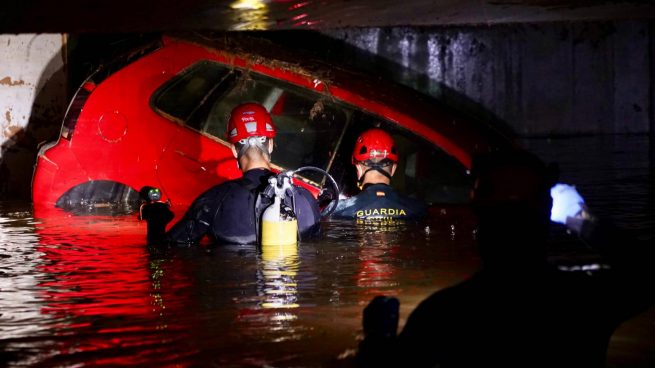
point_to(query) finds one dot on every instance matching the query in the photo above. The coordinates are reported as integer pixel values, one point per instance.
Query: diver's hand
(325, 197)
(567, 203)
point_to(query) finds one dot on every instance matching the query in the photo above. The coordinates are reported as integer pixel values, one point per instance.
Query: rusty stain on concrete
(7, 81)
(64, 46)
(11, 131)
(8, 116)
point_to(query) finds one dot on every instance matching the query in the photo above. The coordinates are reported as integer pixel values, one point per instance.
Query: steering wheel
(328, 198)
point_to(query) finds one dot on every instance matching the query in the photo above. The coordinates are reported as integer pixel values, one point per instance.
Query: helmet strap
(379, 167)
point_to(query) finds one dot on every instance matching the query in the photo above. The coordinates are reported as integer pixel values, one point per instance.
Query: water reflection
(18, 281)
(279, 266)
(89, 273)
(103, 297)
(103, 292)
(378, 248)
(273, 317)
(269, 14)
(251, 15)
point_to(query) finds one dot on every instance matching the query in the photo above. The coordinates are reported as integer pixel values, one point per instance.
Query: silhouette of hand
(381, 318)
(380, 324)
(567, 202)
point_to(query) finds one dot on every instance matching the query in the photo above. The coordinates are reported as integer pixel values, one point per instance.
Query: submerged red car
(157, 117)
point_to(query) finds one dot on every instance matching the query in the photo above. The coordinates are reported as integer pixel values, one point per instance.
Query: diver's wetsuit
(226, 212)
(380, 201)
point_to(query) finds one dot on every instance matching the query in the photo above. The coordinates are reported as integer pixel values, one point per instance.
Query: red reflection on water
(298, 5)
(299, 16)
(377, 251)
(103, 289)
(94, 265)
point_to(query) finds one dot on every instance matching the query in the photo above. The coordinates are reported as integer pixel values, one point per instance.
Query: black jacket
(226, 212)
(380, 202)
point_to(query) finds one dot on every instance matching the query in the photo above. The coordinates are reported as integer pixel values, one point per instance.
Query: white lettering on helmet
(269, 128)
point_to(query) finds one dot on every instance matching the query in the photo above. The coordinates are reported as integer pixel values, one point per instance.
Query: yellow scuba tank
(279, 224)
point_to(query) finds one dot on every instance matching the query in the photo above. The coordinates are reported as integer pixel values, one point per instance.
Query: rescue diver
(376, 158)
(230, 212)
(156, 213)
(519, 310)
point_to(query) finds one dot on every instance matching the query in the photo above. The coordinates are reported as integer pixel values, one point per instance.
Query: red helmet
(249, 120)
(375, 144)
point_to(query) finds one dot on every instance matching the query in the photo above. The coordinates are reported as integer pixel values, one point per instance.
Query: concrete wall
(553, 78)
(33, 98)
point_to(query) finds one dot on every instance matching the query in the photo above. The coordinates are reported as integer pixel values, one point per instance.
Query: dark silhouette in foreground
(518, 310)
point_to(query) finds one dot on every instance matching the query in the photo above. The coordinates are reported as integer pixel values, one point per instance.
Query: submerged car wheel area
(99, 196)
(158, 118)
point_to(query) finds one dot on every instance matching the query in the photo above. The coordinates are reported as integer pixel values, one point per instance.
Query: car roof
(460, 135)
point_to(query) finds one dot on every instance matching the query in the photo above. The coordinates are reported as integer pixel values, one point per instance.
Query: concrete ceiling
(18, 16)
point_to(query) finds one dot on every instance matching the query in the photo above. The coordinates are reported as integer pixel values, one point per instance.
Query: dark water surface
(81, 291)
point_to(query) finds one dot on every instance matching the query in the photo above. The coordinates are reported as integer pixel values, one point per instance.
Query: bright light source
(248, 4)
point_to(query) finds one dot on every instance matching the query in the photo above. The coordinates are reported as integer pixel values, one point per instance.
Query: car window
(429, 173)
(424, 170)
(309, 126)
(184, 94)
